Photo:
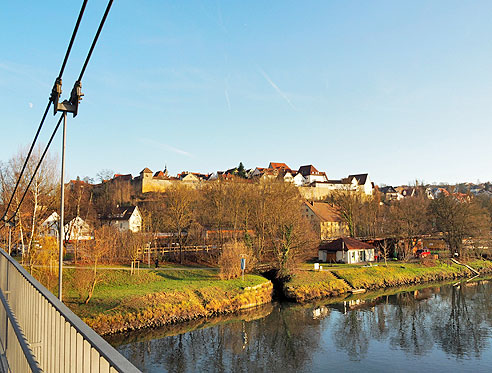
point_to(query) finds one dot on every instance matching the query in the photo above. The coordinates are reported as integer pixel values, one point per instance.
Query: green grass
(118, 284)
(307, 285)
(396, 274)
(155, 297)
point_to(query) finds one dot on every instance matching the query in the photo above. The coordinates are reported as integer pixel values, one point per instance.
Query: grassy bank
(155, 298)
(307, 285)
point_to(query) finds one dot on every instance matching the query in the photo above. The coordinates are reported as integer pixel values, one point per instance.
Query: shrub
(230, 259)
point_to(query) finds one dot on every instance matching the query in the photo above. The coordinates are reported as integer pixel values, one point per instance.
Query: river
(428, 329)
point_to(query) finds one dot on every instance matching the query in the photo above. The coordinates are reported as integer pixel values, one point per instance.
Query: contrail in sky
(165, 147)
(226, 93)
(279, 91)
(227, 99)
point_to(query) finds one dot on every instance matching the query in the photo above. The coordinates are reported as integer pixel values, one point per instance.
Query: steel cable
(74, 33)
(37, 168)
(94, 41)
(64, 63)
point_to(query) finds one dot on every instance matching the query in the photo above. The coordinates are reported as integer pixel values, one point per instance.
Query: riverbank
(309, 285)
(155, 298)
(150, 299)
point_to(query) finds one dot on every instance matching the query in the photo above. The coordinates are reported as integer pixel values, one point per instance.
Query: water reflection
(418, 327)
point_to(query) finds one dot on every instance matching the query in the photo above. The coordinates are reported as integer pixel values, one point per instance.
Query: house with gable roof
(346, 250)
(279, 166)
(364, 183)
(311, 174)
(298, 179)
(78, 229)
(50, 226)
(124, 218)
(326, 219)
(390, 193)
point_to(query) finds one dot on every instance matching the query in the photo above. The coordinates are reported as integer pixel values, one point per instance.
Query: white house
(287, 176)
(299, 180)
(311, 174)
(346, 250)
(50, 226)
(77, 230)
(125, 218)
(364, 183)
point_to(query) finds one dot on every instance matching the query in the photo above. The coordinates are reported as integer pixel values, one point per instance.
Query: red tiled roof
(281, 166)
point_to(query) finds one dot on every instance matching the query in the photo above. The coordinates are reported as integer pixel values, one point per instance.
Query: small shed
(346, 250)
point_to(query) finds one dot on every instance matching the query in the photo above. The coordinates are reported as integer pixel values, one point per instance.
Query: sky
(401, 90)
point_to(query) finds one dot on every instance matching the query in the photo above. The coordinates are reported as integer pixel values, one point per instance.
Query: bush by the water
(230, 260)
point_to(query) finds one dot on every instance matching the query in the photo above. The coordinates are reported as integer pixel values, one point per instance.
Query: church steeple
(165, 170)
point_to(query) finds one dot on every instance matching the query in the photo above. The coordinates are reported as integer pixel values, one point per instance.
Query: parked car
(422, 253)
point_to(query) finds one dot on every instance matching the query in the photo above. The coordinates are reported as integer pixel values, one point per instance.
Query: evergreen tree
(241, 171)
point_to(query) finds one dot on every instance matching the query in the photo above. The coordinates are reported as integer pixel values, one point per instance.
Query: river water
(431, 329)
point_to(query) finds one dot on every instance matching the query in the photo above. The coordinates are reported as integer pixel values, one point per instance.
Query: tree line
(454, 217)
(258, 219)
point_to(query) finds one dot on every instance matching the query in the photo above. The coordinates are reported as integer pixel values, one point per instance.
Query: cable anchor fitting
(71, 105)
(55, 94)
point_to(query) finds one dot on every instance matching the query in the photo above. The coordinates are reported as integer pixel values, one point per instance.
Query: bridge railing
(39, 333)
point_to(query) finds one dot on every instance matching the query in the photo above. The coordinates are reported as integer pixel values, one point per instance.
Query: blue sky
(399, 89)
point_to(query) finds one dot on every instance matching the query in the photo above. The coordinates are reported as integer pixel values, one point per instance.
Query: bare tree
(104, 174)
(349, 204)
(408, 219)
(458, 219)
(104, 242)
(384, 246)
(178, 201)
(40, 199)
(289, 237)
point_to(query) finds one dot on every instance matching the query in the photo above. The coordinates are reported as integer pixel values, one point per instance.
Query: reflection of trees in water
(462, 330)
(352, 334)
(399, 318)
(458, 320)
(409, 323)
(284, 340)
(454, 319)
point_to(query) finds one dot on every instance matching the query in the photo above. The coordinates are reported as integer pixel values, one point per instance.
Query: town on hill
(281, 215)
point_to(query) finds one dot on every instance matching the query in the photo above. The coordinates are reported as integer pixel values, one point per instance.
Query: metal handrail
(113, 357)
(24, 344)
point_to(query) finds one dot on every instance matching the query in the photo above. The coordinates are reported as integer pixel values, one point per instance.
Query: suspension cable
(74, 33)
(36, 169)
(67, 54)
(26, 160)
(101, 24)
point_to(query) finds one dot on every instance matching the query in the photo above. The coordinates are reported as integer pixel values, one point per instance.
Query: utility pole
(67, 106)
